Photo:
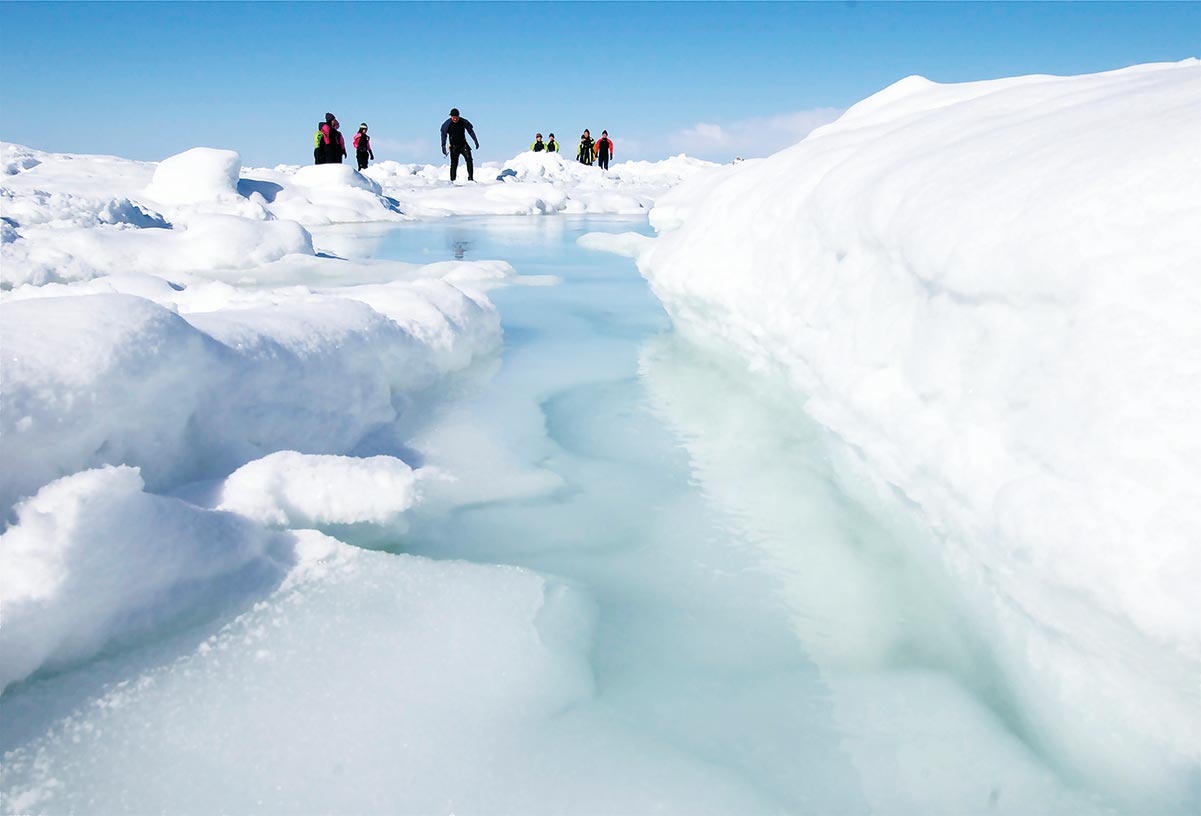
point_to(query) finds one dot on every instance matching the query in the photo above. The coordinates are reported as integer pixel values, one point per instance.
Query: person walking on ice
(604, 150)
(362, 147)
(587, 151)
(456, 129)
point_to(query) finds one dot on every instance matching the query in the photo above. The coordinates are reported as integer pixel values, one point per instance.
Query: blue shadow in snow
(267, 189)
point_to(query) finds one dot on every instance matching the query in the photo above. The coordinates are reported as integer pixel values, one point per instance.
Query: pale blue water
(750, 611)
(692, 643)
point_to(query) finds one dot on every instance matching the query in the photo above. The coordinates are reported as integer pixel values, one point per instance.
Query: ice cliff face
(989, 291)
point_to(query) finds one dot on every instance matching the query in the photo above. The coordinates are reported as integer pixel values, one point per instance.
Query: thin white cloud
(760, 136)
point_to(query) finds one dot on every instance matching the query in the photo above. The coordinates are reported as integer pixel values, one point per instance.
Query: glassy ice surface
(644, 586)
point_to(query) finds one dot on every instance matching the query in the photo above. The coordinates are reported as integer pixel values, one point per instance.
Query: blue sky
(146, 80)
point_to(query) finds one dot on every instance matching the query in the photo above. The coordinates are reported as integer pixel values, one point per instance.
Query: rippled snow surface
(643, 587)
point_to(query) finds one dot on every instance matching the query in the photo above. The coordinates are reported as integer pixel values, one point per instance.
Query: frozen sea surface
(643, 587)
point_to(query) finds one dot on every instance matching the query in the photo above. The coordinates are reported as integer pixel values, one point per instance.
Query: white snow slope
(990, 292)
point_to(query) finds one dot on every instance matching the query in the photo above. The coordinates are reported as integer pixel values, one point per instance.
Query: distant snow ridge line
(51, 196)
(68, 217)
(37, 208)
(989, 290)
(103, 379)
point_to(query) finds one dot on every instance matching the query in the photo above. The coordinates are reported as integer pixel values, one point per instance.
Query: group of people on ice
(589, 151)
(330, 148)
(599, 151)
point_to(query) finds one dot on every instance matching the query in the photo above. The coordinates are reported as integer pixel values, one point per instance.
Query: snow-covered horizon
(984, 293)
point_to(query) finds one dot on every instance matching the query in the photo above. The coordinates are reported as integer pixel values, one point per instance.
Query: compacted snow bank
(989, 292)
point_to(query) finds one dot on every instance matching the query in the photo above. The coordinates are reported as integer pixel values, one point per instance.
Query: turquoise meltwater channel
(753, 624)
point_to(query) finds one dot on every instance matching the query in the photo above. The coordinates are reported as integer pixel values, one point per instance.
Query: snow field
(986, 291)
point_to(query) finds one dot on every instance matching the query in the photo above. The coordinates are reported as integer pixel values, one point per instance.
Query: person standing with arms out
(362, 146)
(537, 146)
(333, 146)
(587, 151)
(552, 146)
(604, 150)
(457, 128)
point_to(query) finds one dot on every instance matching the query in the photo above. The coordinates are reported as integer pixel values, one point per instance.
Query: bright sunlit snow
(989, 292)
(366, 492)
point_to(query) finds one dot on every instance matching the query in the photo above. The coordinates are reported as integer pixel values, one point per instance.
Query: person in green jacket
(552, 146)
(537, 146)
(317, 157)
(587, 152)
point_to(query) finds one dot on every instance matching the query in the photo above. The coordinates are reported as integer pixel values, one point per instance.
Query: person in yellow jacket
(587, 151)
(538, 146)
(552, 146)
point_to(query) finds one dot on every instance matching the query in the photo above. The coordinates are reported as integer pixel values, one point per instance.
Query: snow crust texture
(989, 292)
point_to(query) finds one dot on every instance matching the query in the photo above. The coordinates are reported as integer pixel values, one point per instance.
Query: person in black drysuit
(587, 150)
(457, 128)
(604, 149)
(552, 146)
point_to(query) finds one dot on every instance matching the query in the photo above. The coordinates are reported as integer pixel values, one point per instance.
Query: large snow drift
(990, 292)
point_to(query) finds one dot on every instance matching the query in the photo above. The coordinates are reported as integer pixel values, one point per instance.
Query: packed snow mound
(989, 291)
(196, 175)
(541, 166)
(39, 208)
(334, 176)
(290, 489)
(94, 561)
(208, 243)
(94, 379)
(16, 159)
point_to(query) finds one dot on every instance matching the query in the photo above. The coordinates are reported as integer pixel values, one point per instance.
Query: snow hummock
(988, 292)
(290, 489)
(94, 561)
(196, 175)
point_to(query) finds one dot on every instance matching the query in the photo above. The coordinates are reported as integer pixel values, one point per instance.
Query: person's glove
(444, 151)
(372, 155)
